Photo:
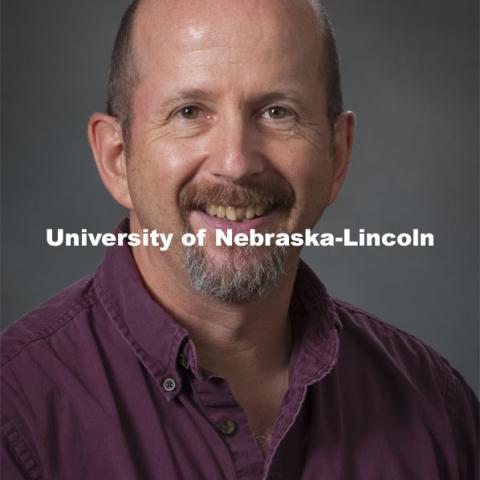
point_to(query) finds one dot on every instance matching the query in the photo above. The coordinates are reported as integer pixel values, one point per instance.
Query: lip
(198, 217)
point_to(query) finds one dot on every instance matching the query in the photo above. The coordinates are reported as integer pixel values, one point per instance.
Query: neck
(252, 335)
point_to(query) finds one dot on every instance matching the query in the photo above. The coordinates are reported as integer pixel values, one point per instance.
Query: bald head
(124, 69)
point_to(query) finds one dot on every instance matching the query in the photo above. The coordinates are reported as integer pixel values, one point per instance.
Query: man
(224, 362)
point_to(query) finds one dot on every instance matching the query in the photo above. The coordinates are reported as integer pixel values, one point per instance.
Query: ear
(344, 129)
(106, 141)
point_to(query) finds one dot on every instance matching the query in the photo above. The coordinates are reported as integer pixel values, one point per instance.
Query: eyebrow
(197, 94)
(189, 94)
(287, 94)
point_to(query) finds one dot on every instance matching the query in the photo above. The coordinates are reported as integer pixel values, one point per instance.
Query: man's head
(231, 110)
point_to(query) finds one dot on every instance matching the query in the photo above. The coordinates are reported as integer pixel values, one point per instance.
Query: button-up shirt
(101, 383)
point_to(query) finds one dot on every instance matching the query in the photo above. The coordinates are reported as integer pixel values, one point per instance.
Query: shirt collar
(151, 332)
(317, 328)
(158, 340)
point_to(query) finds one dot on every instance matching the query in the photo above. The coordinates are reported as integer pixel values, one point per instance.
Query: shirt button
(227, 427)
(169, 385)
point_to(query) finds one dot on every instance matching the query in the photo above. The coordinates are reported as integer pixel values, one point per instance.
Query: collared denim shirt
(100, 383)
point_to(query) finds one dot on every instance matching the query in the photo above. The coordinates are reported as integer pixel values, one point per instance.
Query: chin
(235, 274)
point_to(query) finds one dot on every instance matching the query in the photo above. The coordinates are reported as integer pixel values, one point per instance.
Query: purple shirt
(100, 383)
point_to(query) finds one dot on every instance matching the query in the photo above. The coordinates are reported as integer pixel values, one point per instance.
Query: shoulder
(394, 375)
(393, 349)
(48, 319)
(402, 362)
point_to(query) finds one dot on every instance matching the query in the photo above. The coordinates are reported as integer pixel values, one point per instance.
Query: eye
(276, 112)
(189, 112)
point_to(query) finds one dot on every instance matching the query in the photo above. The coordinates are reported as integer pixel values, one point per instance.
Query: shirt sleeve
(464, 416)
(18, 460)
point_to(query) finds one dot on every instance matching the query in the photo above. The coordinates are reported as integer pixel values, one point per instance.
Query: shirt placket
(227, 417)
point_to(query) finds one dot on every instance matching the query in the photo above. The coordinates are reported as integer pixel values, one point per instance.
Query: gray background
(410, 72)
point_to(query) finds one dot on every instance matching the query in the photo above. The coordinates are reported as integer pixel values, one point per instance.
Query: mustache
(272, 191)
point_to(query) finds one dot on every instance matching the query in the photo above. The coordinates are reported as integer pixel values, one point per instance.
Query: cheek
(156, 175)
(309, 170)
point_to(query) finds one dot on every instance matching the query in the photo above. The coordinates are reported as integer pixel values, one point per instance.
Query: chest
(123, 426)
(204, 433)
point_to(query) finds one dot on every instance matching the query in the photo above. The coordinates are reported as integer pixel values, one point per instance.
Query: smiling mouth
(236, 214)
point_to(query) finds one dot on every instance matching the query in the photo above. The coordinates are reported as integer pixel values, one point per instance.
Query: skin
(231, 69)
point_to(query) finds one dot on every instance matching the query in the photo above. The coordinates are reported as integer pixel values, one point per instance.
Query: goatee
(242, 278)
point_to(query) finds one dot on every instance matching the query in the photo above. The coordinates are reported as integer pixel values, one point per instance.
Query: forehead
(227, 34)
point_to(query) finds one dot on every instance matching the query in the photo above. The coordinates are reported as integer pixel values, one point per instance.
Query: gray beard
(242, 278)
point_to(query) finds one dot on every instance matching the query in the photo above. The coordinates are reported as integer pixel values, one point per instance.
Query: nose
(235, 152)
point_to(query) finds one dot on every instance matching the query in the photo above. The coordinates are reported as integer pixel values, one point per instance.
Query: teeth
(236, 213)
(259, 210)
(231, 214)
(212, 210)
(250, 212)
(240, 211)
(221, 212)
